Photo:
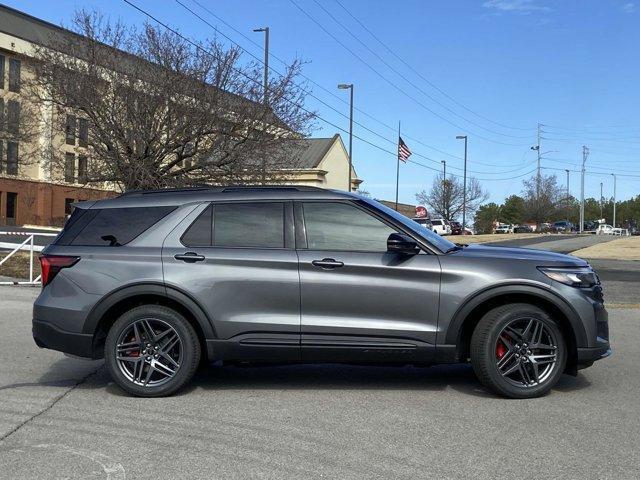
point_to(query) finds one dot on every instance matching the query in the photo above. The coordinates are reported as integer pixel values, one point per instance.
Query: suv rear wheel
(518, 351)
(152, 351)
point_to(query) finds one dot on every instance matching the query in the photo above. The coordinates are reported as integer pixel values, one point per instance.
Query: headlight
(583, 277)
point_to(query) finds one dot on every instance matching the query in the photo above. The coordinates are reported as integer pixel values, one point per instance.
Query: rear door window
(254, 225)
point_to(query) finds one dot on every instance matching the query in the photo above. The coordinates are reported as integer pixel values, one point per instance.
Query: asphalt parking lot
(63, 418)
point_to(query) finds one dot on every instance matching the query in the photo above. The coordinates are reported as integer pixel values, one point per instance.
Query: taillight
(52, 264)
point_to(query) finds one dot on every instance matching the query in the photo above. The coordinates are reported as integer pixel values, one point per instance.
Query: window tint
(124, 224)
(259, 225)
(340, 226)
(199, 234)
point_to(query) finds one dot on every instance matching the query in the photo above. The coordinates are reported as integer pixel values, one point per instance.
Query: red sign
(421, 211)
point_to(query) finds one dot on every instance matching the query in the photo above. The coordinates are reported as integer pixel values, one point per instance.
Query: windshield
(434, 239)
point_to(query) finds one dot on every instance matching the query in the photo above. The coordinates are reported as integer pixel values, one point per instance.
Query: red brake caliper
(501, 349)
(134, 353)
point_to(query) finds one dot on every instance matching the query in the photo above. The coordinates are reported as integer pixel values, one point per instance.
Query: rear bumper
(49, 336)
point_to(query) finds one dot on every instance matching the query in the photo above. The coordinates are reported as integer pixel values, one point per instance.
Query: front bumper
(47, 335)
(586, 356)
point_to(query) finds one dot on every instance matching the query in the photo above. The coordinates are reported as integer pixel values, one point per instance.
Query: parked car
(425, 222)
(504, 228)
(590, 226)
(562, 226)
(604, 229)
(522, 229)
(155, 281)
(441, 226)
(456, 228)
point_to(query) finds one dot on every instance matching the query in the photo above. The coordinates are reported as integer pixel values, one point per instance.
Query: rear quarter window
(111, 226)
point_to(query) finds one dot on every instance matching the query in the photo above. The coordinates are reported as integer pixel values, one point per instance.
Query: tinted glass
(124, 224)
(199, 234)
(434, 239)
(340, 226)
(259, 225)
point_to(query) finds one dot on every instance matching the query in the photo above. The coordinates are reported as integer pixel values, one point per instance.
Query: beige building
(322, 162)
(28, 192)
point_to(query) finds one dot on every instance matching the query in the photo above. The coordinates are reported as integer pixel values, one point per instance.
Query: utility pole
(444, 169)
(585, 154)
(464, 184)
(614, 200)
(265, 87)
(567, 170)
(349, 86)
(601, 200)
(537, 149)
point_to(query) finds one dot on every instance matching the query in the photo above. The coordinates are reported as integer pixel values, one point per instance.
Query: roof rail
(165, 190)
(244, 188)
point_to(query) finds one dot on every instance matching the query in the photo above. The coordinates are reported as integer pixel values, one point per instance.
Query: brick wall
(41, 203)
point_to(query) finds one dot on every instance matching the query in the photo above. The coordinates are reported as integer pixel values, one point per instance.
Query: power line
(322, 101)
(401, 75)
(359, 110)
(201, 48)
(401, 90)
(410, 67)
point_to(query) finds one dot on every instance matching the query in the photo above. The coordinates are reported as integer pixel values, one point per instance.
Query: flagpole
(398, 166)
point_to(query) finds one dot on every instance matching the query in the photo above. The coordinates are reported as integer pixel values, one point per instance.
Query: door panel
(364, 306)
(252, 295)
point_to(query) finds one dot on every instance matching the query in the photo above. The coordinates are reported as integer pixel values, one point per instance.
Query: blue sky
(496, 68)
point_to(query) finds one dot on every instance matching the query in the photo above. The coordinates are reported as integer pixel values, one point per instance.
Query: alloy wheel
(149, 352)
(526, 352)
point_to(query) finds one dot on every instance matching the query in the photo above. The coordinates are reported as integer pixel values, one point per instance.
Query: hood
(543, 257)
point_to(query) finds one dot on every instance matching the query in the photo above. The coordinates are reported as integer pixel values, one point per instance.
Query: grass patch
(18, 265)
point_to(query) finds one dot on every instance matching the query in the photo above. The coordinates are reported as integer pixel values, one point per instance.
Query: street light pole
(585, 154)
(265, 86)
(567, 170)
(600, 200)
(464, 184)
(614, 200)
(444, 169)
(349, 86)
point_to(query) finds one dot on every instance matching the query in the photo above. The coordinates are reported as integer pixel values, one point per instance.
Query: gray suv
(158, 282)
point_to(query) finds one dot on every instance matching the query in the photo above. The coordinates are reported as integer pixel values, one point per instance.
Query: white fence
(27, 244)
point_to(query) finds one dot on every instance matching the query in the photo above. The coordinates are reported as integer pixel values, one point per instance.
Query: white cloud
(524, 7)
(629, 7)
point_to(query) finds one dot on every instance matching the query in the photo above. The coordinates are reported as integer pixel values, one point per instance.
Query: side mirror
(400, 243)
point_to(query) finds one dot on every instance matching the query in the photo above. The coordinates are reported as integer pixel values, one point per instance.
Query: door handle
(189, 257)
(327, 263)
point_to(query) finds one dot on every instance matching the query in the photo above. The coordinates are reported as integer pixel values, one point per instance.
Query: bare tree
(446, 197)
(541, 203)
(155, 109)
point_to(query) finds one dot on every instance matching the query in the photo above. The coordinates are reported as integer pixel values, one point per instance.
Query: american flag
(403, 151)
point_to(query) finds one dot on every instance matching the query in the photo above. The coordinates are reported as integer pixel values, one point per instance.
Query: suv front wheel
(152, 351)
(518, 351)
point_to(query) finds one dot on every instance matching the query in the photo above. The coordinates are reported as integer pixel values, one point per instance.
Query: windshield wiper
(455, 248)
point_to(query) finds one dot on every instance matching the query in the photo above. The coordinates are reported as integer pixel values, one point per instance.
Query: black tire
(189, 348)
(485, 353)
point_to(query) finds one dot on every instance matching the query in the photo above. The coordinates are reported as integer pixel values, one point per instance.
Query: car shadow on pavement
(66, 372)
(458, 377)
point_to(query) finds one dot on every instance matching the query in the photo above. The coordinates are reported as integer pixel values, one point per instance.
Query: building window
(83, 132)
(11, 208)
(70, 168)
(13, 116)
(12, 158)
(70, 130)
(1, 71)
(68, 206)
(14, 75)
(82, 169)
